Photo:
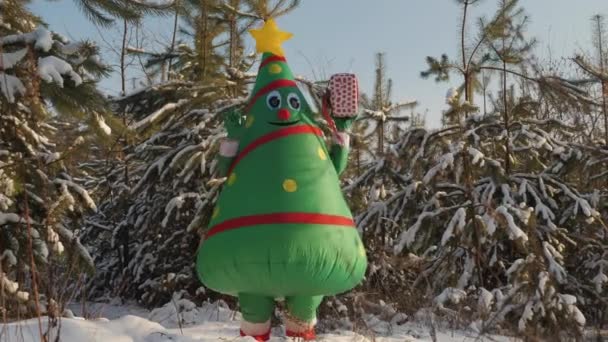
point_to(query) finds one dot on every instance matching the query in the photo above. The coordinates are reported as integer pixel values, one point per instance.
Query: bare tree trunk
(379, 101)
(599, 45)
(467, 168)
(33, 268)
(506, 106)
(604, 85)
(358, 159)
(380, 131)
(485, 108)
(123, 53)
(175, 20)
(139, 43)
(485, 80)
(232, 22)
(467, 74)
(202, 37)
(234, 41)
(462, 33)
(506, 118)
(604, 90)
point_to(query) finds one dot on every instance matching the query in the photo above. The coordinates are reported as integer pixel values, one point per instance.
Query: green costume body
(281, 226)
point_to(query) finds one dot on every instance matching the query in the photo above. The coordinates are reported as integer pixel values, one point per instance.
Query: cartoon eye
(294, 101)
(273, 100)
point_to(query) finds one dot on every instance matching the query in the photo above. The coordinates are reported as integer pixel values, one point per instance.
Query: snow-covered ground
(212, 322)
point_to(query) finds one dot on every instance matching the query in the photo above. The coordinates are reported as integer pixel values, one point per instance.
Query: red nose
(283, 114)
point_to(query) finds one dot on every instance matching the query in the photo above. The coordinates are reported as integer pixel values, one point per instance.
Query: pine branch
(590, 69)
(241, 13)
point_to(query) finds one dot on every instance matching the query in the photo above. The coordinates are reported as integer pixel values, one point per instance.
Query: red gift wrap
(344, 95)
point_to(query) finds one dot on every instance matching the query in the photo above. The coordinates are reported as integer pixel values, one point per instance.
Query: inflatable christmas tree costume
(281, 227)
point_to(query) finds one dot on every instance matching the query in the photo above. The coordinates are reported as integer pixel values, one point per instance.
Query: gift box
(344, 95)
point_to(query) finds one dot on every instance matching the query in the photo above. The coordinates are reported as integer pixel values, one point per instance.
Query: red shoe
(260, 338)
(307, 335)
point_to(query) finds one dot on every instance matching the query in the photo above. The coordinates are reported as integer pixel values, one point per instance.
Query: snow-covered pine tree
(43, 77)
(592, 258)
(596, 75)
(600, 39)
(159, 186)
(105, 12)
(381, 117)
(163, 190)
(501, 240)
(372, 178)
(506, 234)
(589, 263)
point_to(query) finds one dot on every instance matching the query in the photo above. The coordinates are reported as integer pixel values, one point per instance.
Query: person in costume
(281, 227)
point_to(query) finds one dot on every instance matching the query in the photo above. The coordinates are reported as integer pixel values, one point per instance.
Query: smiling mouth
(284, 123)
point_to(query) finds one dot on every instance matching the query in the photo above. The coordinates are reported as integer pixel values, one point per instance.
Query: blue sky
(332, 36)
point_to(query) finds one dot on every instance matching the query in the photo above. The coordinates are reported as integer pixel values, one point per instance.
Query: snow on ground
(212, 322)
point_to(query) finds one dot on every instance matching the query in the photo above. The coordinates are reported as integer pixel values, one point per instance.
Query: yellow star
(269, 38)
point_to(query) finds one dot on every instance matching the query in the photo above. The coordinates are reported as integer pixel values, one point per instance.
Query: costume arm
(339, 151)
(226, 155)
(341, 144)
(229, 146)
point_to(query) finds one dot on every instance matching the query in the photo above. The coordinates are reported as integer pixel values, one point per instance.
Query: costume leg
(256, 311)
(302, 316)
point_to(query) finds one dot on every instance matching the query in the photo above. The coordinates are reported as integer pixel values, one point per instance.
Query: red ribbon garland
(281, 218)
(329, 119)
(283, 132)
(280, 83)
